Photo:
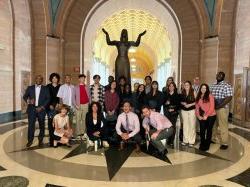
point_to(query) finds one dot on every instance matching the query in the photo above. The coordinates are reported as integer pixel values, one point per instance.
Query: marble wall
(15, 52)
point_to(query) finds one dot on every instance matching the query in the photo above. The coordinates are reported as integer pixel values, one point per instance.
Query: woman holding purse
(205, 112)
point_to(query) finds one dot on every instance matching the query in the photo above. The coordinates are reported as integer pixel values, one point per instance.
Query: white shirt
(96, 94)
(38, 90)
(65, 92)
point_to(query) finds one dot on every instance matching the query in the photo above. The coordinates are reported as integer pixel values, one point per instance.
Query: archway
(157, 14)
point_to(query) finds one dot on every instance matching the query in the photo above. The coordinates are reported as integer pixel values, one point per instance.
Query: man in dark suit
(37, 97)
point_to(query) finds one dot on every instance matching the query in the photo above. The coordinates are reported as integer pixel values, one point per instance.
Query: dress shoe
(138, 148)
(223, 147)
(29, 144)
(40, 144)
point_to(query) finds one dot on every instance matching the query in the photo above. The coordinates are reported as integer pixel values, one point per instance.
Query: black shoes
(223, 147)
(40, 144)
(29, 144)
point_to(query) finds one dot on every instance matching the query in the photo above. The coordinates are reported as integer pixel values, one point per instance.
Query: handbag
(201, 112)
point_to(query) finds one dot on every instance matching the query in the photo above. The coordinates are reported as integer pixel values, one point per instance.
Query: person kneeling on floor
(62, 132)
(158, 127)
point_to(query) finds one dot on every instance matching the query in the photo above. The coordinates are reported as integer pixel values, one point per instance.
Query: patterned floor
(80, 166)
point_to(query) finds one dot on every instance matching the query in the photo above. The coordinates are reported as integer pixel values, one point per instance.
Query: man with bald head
(37, 97)
(223, 93)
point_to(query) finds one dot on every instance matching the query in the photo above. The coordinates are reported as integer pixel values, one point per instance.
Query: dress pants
(32, 116)
(103, 135)
(136, 138)
(206, 127)
(80, 127)
(189, 126)
(221, 134)
(51, 114)
(164, 134)
(173, 119)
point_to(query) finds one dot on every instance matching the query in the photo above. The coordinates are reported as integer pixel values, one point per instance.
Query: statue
(122, 66)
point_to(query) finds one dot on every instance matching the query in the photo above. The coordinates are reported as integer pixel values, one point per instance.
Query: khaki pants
(80, 113)
(189, 126)
(220, 129)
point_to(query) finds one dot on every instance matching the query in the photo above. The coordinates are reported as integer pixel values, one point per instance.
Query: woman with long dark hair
(154, 99)
(126, 95)
(96, 125)
(165, 88)
(53, 87)
(171, 107)
(188, 114)
(205, 112)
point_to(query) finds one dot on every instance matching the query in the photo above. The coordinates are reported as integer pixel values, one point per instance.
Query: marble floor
(80, 166)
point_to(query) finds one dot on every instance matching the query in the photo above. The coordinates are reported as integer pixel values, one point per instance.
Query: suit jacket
(44, 97)
(91, 128)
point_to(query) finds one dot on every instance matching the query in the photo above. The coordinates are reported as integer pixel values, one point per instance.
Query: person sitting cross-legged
(158, 127)
(128, 127)
(62, 132)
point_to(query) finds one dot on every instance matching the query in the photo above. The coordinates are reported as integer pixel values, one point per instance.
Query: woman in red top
(205, 112)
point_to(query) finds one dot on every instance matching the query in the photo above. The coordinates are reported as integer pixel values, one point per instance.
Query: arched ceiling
(155, 44)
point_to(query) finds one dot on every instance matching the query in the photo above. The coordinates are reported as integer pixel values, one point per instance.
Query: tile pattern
(242, 179)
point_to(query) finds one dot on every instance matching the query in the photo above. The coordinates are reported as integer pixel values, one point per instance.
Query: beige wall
(15, 52)
(242, 37)
(209, 64)
(22, 42)
(6, 57)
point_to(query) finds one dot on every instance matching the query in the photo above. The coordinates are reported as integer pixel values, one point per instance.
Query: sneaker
(91, 143)
(183, 143)
(223, 147)
(105, 144)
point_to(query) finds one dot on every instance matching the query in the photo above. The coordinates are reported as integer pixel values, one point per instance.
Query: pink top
(156, 120)
(207, 107)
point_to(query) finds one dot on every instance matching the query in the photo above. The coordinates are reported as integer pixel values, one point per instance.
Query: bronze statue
(122, 66)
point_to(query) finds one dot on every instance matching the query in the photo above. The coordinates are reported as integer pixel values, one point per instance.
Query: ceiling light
(132, 50)
(132, 60)
(133, 66)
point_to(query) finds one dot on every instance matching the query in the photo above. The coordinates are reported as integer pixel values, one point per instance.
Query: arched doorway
(160, 51)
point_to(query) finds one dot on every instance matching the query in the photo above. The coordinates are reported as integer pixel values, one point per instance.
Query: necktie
(127, 123)
(149, 123)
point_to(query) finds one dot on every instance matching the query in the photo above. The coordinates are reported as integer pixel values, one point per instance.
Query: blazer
(44, 97)
(91, 128)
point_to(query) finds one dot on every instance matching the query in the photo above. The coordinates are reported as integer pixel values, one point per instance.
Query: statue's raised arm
(138, 41)
(109, 42)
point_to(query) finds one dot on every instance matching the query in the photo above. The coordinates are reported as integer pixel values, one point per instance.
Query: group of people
(115, 115)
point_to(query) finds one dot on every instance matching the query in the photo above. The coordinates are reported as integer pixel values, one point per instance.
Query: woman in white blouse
(62, 132)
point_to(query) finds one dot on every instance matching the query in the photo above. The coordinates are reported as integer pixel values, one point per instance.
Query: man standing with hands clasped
(158, 127)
